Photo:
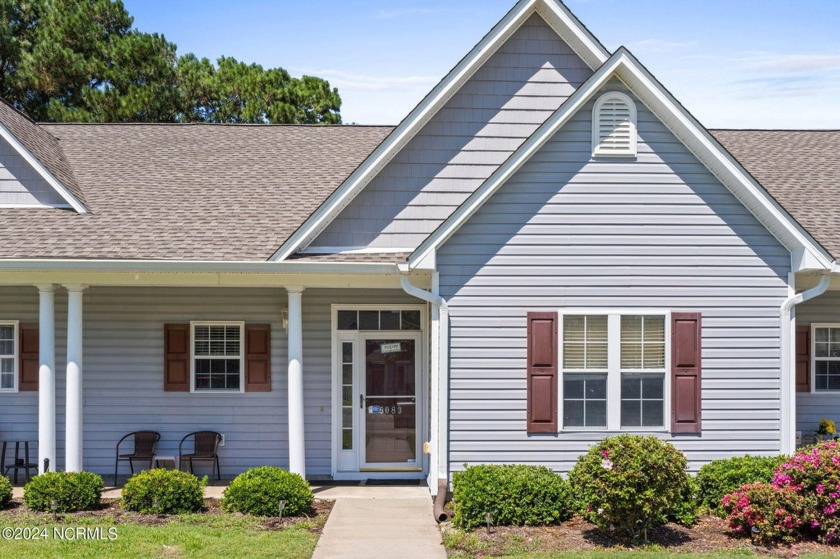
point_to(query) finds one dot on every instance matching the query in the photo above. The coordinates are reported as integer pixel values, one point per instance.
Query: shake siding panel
(502, 104)
(569, 232)
(123, 373)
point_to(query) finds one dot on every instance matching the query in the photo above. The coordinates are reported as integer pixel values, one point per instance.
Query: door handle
(361, 401)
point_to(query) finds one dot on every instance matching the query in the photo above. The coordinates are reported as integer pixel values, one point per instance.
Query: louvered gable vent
(614, 126)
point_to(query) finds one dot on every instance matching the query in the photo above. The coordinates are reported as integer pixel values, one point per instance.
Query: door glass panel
(390, 404)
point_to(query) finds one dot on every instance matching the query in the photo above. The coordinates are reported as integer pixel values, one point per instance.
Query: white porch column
(73, 424)
(46, 377)
(297, 452)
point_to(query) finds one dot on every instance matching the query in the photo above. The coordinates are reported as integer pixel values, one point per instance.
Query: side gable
(806, 253)
(33, 168)
(570, 30)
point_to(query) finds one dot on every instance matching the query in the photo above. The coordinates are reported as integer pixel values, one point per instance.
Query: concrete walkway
(379, 522)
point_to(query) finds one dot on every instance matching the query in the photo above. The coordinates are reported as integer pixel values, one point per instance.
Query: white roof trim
(555, 14)
(356, 250)
(695, 137)
(47, 176)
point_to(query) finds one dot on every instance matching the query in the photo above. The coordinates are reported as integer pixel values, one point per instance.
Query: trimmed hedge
(260, 490)
(720, 477)
(632, 483)
(162, 491)
(776, 513)
(71, 491)
(514, 494)
(5, 491)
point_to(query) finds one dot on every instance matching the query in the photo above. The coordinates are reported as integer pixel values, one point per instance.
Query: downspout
(440, 374)
(788, 411)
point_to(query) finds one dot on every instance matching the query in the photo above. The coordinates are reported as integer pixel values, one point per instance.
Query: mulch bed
(110, 508)
(710, 534)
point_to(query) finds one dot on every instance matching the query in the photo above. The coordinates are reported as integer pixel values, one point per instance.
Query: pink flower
(607, 464)
(820, 489)
(605, 453)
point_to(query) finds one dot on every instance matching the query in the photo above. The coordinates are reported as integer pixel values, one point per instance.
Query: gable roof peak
(553, 12)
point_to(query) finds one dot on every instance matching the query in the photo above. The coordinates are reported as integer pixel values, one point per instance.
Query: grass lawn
(211, 534)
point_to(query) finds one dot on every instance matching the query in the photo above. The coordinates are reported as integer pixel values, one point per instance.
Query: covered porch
(817, 355)
(104, 365)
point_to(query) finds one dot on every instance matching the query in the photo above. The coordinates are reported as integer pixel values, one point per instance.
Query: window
(8, 356)
(642, 371)
(347, 395)
(614, 126)
(826, 357)
(217, 356)
(585, 367)
(613, 369)
(379, 320)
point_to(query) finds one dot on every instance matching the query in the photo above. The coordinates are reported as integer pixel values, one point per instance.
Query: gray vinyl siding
(811, 407)
(566, 232)
(502, 104)
(20, 183)
(123, 373)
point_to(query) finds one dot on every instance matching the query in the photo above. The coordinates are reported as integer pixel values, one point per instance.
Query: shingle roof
(236, 192)
(188, 191)
(800, 169)
(43, 146)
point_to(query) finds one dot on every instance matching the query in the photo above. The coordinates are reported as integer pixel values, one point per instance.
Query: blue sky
(733, 63)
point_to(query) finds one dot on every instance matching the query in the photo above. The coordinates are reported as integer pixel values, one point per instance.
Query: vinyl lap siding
(123, 374)
(811, 407)
(568, 232)
(514, 92)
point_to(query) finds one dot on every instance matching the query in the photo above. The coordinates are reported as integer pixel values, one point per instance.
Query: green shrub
(513, 494)
(5, 491)
(71, 491)
(260, 490)
(776, 513)
(163, 492)
(720, 477)
(631, 483)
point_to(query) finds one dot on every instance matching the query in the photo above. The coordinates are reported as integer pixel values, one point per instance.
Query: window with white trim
(218, 363)
(827, 358)
(614, 126)
(8, 356)
(613, 370)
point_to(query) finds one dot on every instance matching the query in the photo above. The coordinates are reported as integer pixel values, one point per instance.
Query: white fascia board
(556, 15)
(720, 162)
(187, 266)
(46, 175)
(356, 250)
(690, 132)
(531, 146)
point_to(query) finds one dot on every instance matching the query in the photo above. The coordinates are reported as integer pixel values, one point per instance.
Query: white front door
(389, 418)
(379, 421)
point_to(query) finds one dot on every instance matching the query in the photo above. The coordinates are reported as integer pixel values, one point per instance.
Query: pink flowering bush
(801, 501)
(775, 512)
(632, 483)
(814, 474)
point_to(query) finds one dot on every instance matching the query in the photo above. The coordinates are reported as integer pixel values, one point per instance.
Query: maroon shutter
(29, 357)
(542, 372)
(176, 357)
(686, 332)
(803, 358)
(258, 358)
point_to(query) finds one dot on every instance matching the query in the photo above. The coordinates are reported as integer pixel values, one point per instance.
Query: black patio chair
(205, 449)
(145, 443)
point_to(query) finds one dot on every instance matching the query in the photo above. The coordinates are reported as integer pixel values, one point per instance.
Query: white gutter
(788, 364)
(288, 267)
(439, 375)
